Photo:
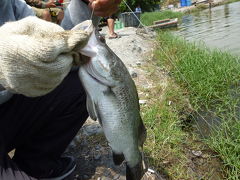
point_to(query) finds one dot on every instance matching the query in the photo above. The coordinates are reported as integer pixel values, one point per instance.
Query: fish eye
(102, 39)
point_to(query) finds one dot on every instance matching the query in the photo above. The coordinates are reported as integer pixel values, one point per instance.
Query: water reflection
(226, 10)
(218, 27)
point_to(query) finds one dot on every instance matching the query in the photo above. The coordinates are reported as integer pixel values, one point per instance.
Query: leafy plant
(146, 5)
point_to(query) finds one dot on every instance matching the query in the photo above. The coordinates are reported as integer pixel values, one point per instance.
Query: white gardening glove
(36, 55)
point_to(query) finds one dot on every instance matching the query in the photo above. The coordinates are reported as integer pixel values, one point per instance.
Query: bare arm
(41, 4)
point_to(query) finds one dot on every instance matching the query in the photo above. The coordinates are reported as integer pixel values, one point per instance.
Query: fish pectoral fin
(135, 173)
(118, 158)
(102, 78)
(91, 109)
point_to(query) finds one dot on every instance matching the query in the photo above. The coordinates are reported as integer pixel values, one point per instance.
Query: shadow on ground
(93, 156)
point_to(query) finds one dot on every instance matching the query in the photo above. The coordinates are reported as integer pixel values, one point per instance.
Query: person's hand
(36, 55)
(50, 4)
(104, 8)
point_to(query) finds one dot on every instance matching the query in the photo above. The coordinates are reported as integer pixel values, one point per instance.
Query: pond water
(218, 27)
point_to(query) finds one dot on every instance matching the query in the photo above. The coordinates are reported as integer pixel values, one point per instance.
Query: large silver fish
(112, 99)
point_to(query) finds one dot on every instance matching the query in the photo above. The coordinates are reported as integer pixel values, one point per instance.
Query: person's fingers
(96, 5)
(53, 4)
(104, 7)
(104, 14)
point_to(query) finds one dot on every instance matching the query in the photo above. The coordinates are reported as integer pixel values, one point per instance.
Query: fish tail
(118, 158)
(135, 173)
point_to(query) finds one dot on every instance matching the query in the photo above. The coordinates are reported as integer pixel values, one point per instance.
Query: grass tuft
(149, 17)
(211, 79)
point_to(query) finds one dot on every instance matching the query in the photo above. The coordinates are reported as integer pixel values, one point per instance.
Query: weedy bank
(193, 119)
(149, 17)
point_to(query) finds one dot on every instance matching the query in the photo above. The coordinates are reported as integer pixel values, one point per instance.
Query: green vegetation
(146, 5)
(200, 82)
(168, 147)
(207, 75)
(164, 134)
(210, 80)
(149, 17)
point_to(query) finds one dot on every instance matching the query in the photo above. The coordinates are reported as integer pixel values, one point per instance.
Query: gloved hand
(36, 55)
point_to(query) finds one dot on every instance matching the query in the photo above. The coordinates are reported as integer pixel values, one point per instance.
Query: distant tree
(146, 5)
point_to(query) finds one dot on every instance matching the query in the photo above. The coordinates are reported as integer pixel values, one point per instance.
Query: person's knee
(46, 15)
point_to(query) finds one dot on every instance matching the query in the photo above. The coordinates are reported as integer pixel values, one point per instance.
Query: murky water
(218, 27)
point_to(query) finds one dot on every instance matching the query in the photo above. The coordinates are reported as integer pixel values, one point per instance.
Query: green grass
(149, 17)
(208, 75)
(168, 146)
(165, 138)
(227, 144)
(211, 81)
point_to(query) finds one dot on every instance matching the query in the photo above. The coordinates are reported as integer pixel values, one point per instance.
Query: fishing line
(133, 13)
(182, 76)
(91, 17)
(184, 79)
(92, 11)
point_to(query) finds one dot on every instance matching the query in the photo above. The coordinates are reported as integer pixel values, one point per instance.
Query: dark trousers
(40, 129)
